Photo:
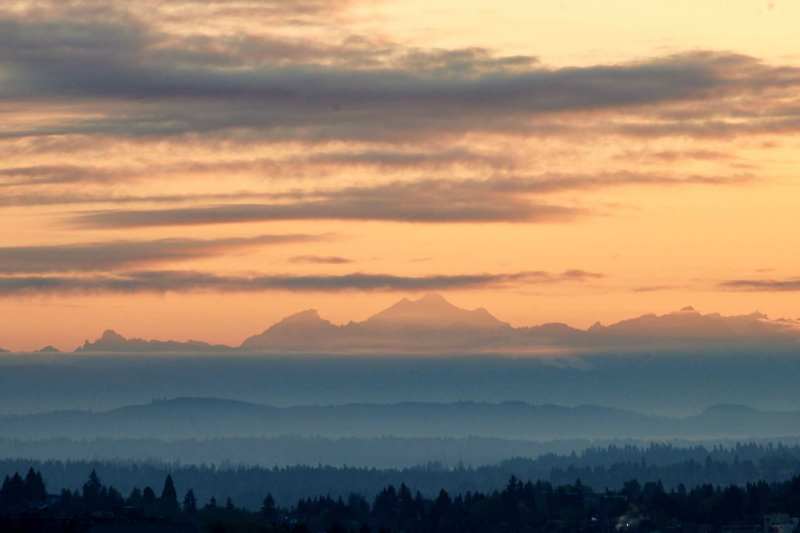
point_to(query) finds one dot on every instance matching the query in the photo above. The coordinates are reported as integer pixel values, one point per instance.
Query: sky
(201, 169)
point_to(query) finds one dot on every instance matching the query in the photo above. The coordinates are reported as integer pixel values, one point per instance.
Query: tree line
(26, 505)
(600, 468)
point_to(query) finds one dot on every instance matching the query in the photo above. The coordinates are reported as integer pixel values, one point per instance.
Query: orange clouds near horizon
(202, 169)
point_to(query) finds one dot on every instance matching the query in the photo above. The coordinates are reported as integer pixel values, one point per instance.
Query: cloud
(189, 281)
(670, 156)
(654, 288)
(762, 285)
(320, 260)
(55, 174)
(404, 159)
(412, 202)
(296, 12)
(424, 201)
(580, 275)
(315, 164)
(46, 198)
(115, 255)
(272, 87)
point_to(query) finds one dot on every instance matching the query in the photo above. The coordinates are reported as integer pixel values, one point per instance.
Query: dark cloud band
(425, 201)
(762, 285)
(188, 281)
(115, 255)
(280, 89)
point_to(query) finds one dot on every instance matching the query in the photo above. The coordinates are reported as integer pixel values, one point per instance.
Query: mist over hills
(364, 452)
(673, 382)
(215, 418)
(661, 364)
(432, 325)
(360, 452)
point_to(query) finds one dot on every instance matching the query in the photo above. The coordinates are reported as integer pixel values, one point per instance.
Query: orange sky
(202, 169)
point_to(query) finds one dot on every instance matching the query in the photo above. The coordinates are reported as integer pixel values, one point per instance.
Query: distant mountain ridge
(217, 418)
(49, 349)
(432, 325)
(111, 341)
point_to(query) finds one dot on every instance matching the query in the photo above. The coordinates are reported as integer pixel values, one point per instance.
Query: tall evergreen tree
(92, 489)
(35, 491)
(268, 510)
(169, 496)
(148, 498)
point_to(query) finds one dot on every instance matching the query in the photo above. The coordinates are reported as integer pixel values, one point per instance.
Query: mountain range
(431, 324)
(111, 341)
(219, 418)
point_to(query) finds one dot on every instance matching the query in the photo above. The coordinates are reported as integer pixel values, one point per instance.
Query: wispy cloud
(55, 174)
(670, 156)
(313, 164)
(320, 260)
(762, 285)
(115, 255)
(423, 201)
(653, 288)
(190, 281)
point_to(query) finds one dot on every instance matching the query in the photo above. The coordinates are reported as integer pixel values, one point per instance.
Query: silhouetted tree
(12, 493)
(135, 497)
(92, 490)
(212, 503)
(149, 500)
(190, 503)
(169, 497)
(268, 510)
(35, 490)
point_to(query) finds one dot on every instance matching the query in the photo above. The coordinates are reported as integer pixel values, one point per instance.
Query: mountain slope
(304, 330)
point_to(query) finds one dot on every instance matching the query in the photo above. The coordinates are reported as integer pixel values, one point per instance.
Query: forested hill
(599, 468)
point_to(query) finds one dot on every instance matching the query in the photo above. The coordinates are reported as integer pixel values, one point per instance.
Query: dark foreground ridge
(599, 468)
(26, 506)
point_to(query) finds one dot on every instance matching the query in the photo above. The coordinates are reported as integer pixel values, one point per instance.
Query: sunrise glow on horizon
(190, 170)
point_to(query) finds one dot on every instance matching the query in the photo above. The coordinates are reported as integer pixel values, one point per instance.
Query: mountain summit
(428, 324)
(433, 310)
(305, 329)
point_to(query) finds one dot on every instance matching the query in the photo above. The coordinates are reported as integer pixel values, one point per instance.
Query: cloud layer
(116, 255)
(762, 285)
(428, 201)
(189, 281)
(275, 87)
